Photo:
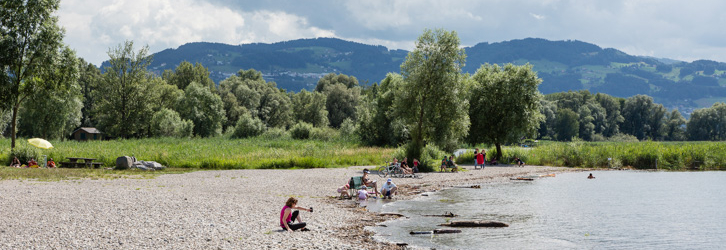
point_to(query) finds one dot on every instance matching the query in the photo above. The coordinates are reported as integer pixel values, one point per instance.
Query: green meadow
(213, 153)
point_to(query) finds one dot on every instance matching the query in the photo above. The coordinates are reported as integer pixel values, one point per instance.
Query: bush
(275, 133)
(167, 123)
(430, 156)
(301, 131)
(324, 134)
(24, 153)
(348, 129)
(623, 138)
(247, 126)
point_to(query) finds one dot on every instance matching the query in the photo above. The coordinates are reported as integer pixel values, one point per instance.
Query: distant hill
(563, 66)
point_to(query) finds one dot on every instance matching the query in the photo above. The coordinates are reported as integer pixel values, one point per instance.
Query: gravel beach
(231, 209)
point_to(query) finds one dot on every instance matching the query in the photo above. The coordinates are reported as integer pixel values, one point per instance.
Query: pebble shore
(231, 209)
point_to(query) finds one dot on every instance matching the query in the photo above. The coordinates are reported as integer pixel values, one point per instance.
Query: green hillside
(563, 66)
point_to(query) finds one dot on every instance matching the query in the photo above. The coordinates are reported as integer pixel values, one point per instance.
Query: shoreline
(415, 187)
(224, 209)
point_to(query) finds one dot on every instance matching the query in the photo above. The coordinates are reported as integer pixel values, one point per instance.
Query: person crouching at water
(389, 189)
(287, 216)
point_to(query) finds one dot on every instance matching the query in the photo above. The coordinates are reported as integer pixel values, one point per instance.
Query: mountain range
(563, 66)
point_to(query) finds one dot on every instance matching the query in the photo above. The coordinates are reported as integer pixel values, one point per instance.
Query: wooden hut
(85, 134)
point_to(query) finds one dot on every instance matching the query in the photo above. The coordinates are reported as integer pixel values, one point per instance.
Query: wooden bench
(80, 164)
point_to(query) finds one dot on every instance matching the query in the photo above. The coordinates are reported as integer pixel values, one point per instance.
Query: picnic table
(81, 162)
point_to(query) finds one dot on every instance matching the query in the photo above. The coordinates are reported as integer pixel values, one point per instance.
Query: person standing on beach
(287, 216)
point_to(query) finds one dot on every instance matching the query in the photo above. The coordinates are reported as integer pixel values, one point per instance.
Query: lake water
(617, 210)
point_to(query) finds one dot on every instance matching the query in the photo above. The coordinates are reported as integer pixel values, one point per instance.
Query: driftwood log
(438, 231)
(392, 214)
(447, 214)
(475, 223)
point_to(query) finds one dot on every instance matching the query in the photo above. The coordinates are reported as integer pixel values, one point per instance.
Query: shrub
(167, 123)
(430, 156)
(324, 134)
(348, 129)
(275, 133)
(623, 138)
(248, 126)
(301, 131)
(24, 153)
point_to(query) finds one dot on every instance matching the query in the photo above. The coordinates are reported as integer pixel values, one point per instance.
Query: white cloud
(538, 17)
(94, 27)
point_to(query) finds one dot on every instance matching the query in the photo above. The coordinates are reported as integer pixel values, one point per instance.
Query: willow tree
(431, 99)
(505, 104)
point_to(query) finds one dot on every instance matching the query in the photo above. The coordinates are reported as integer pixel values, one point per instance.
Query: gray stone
(124, 162)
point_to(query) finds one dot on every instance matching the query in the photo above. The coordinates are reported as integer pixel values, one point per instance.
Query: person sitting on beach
(50, 163)
(287, 216)
(362, 193)
(442, 168)
(32, 163)
(450, 164)
(405, 168)
(343, 190)
(415, 165)
(518, 161)
(590, 176)
(15, 163)
(388, 189)
(368, 182)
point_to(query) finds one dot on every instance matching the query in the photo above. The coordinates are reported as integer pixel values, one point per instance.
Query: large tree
(89, 78)
(505, 104)
(186, 73)
(248, 92)
(431, 99)
(204, 108)
(310, 107)
(643, 118)
(30, 46)
(708, 123)
(122, 107)
(54, 113)
(342, 97)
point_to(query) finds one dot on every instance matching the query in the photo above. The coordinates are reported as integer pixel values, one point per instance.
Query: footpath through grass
(213, 153)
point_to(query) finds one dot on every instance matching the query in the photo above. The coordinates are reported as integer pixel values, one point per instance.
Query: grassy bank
(214, 153)
(57, 174)
(639, 155)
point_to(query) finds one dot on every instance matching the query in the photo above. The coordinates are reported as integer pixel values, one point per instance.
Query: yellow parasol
(40, 143)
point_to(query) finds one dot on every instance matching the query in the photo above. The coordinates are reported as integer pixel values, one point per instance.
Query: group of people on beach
(388, 190)
(31, 163)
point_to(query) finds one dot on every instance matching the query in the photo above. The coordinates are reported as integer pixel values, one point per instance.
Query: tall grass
(217, 153)
(639, 155)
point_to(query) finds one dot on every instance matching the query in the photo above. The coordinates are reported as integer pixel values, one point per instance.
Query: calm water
(617, 210)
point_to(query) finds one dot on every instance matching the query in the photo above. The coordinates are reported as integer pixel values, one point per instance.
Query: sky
(675, 29)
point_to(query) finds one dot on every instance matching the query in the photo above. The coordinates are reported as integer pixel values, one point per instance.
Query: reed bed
(638, 155)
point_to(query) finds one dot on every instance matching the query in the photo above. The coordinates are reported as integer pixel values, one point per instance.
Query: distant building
(85, 134)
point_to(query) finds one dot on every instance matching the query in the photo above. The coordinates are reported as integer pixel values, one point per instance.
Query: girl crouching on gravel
(287, 216)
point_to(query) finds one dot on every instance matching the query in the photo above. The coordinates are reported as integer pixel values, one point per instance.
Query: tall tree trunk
(499, 151)
(14, 126)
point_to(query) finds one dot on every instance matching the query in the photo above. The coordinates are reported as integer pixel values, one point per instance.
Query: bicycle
(392, 170)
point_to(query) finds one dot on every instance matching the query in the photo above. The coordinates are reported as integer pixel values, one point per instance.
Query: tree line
(429, 105)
